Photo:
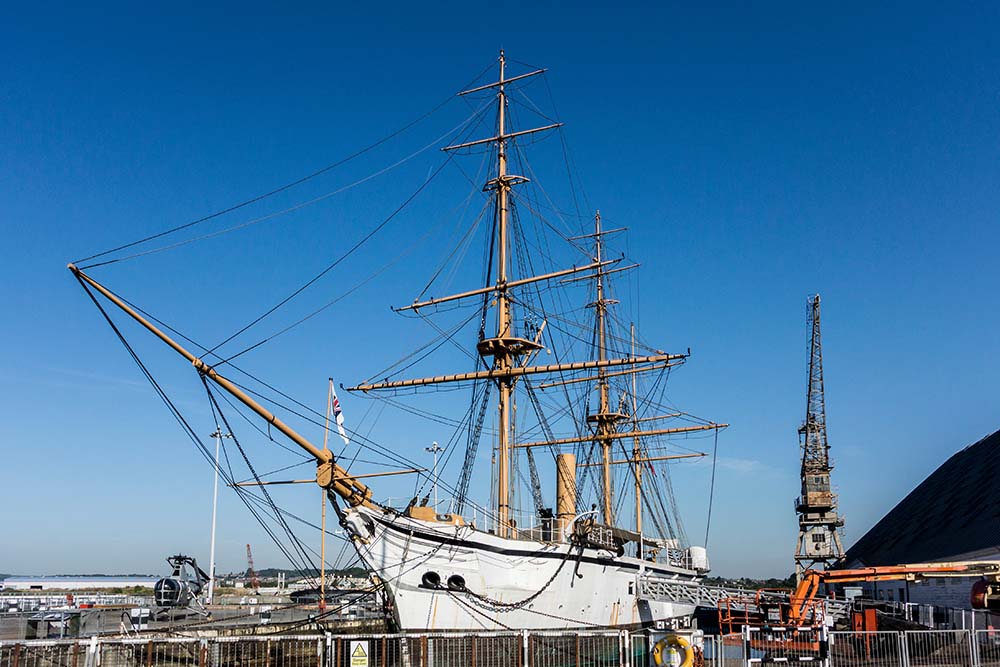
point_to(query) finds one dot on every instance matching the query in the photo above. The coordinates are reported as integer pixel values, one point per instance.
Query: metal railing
(866, 649)
(652, 587)
(930, 648)
(20, 603)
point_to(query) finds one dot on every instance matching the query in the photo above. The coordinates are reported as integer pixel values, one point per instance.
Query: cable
(711, 493)
(175, 412)
(344, 256)
(287, 186)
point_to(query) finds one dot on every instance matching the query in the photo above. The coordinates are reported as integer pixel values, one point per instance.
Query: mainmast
(505, 347)
(502, 349)
(511, 354)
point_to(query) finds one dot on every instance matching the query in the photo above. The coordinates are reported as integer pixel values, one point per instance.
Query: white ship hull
(509, 584)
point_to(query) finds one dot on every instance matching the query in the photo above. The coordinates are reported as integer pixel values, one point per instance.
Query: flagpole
(322, 539)
(218, 435)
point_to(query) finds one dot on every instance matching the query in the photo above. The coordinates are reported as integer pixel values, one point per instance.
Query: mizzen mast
(605, 418)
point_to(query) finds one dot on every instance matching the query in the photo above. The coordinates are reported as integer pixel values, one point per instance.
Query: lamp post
(218, 435)
(435, 449)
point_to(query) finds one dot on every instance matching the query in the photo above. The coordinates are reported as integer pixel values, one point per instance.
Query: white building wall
(73, 584)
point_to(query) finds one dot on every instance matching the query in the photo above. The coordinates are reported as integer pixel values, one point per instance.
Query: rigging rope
(296, 542)
(287, 186)
(337, 261)
(711, 492)
(185, 425)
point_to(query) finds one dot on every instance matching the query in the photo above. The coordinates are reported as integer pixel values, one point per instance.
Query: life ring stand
(673, 640)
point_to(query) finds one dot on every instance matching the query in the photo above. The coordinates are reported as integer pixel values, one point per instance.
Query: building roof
(102, 578)
(955, 512)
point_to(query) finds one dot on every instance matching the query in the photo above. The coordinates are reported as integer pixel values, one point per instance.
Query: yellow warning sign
(359, 654)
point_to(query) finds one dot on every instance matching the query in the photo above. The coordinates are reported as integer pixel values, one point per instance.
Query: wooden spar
(496, 374)
(619, 436)
(344, 486)
(671, 415)
(600, 232)
(494, 288)
(501, 137)
(276, 482)
(647, 459)
(502, 82)
(566, 281)
(591, 378)
(313, 481)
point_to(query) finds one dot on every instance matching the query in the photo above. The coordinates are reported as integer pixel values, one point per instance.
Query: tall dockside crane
(819, 541)
(252, 577)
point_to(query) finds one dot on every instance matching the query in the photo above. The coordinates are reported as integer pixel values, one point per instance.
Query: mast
(511, 353)
(502, 357)
(636, 450)
(604, 418)
(505, 347)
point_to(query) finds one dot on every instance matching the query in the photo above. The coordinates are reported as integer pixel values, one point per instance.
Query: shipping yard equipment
(819, 541)
(252, 577)
(805, 607)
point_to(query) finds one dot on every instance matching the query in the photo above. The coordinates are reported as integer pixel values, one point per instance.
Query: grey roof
(955, 511)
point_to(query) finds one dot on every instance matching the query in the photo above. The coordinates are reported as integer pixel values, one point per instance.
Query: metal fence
(756, 646)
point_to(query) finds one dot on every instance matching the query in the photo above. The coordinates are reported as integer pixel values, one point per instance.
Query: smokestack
(565, 491)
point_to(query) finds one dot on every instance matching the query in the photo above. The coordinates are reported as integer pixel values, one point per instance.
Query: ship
(571, 566)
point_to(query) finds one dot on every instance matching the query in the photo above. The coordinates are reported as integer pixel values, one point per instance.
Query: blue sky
(758, 155)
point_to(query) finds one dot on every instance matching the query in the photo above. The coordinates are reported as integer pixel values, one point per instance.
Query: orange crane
(804, 607)
(251, 573)
(803, 601)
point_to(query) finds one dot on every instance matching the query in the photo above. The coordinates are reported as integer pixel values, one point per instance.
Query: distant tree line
(752, 584)
(273, 572)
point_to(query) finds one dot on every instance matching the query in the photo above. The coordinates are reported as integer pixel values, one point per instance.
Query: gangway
(663, 589)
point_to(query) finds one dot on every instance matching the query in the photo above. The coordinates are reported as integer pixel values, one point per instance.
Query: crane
(819, 541)
(803, 600)
(804, 607)
(251, 573)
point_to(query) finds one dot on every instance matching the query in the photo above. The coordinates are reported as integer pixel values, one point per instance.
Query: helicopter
(182, 587)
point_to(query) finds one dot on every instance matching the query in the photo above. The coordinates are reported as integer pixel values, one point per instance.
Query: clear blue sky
(757, 154)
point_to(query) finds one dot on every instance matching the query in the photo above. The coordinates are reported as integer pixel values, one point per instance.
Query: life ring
(678, 642)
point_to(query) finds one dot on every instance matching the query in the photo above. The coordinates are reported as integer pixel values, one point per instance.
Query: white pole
(215, 503)
(434, 449)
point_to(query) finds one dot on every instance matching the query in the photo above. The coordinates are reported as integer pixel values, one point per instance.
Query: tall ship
(596, 425)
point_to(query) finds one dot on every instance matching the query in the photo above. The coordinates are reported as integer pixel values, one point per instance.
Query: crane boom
(804, 598)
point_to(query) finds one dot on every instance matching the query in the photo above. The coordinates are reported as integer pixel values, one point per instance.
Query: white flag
(338, 416)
